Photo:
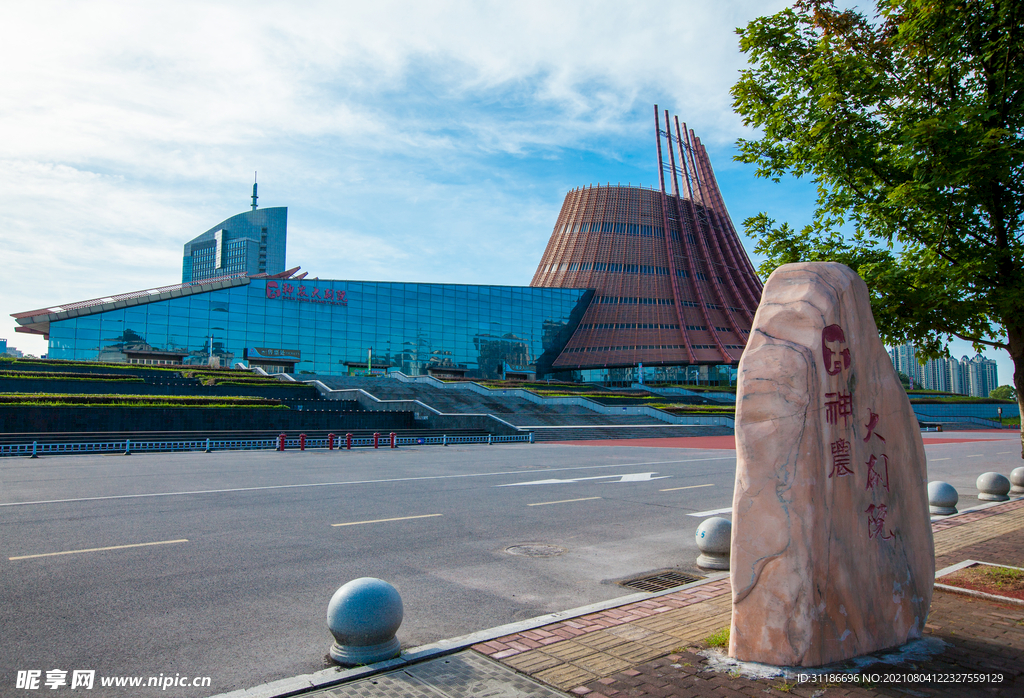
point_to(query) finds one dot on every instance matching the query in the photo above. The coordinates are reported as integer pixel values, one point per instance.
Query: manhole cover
(660, 581)
(535, 550)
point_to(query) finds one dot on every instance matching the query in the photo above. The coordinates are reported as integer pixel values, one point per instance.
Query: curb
(327, 678)
(971, 592)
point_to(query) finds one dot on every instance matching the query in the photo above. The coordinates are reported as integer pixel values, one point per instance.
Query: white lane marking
(640, 477)
(980, 455)
(563, 501)
(96, 550)
(711, 512)
(1004, 453)
(936, 460)
(630, 477)
(351, 482)
(397, 518)
(688, 487)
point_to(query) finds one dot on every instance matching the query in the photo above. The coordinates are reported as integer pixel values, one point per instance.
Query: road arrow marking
(629, 477)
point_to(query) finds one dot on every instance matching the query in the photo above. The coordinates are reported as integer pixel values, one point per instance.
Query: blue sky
(429, 141)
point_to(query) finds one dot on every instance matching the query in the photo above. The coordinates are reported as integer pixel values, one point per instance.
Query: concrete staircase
(549, 422)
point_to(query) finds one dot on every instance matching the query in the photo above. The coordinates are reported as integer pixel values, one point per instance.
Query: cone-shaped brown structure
(673, 284)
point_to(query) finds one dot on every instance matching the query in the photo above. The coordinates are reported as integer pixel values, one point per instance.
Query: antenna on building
(254, 197)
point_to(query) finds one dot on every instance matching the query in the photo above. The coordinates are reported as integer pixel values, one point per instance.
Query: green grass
(719, 639)
(54, 375)
(1003, 577)
(190, 401)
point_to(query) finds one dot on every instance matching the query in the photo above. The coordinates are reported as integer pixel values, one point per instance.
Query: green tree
(910, 123)
(1003, 392)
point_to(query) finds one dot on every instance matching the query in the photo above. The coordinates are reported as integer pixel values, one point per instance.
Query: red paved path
(728, 441)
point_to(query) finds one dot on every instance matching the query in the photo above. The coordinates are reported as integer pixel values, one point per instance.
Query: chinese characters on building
(289, 291)
(839, 411)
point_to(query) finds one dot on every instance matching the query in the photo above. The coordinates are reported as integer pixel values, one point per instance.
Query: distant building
(982, 375)
(958, 378)
(3, 346)
(935, 375)
(252, 242)
(975, 376)
(904, 359)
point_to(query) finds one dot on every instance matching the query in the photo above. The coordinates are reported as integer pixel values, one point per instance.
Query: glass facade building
(253, 242)
(325, 326)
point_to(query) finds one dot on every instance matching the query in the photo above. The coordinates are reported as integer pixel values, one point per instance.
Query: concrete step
(586, 433)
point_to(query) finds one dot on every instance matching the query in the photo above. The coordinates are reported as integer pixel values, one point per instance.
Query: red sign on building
(306, 293)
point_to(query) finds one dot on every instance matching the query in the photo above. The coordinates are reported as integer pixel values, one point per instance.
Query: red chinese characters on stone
(870, 426)
(876, 521)
(835, 361)
(878, 476)
(840, 458)
(838, 405)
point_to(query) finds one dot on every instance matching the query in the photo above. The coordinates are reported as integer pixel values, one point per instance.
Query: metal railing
(338, 443)
(967, 419)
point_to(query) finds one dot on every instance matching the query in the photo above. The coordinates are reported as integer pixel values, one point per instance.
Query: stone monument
(832, 552)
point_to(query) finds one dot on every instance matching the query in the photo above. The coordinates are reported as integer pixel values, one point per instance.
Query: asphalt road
(222, 564)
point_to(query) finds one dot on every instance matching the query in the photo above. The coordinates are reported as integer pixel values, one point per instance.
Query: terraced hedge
(61, 400)
(54, 375)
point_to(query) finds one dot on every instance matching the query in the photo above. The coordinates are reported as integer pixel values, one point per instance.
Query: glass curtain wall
(328, 324)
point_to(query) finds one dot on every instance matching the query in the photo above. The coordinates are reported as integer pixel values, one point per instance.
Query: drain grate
(660, 581)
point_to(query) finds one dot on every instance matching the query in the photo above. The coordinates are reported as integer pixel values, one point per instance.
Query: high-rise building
(904, 359)
(673, 285)
(958, 379)
(982, 375)
(252, 242)
(936, 375)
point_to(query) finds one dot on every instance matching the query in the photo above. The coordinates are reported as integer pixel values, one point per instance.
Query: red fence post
(394, 438)
(348, 441)
(330, 442)
(376, 439)
(280, 442)
(302, 442)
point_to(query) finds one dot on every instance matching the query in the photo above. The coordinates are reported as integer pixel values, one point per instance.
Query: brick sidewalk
(649, 648)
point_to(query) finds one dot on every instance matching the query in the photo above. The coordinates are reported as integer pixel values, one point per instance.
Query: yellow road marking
(397, 518)
(96, 550)
(563, 501)
(688, 487)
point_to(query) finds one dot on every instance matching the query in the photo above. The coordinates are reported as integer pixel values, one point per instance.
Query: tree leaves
(909, 124)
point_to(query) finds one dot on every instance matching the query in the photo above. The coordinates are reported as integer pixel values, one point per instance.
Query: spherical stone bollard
(364, 616)
(713, 540)
(1017, 481)
(942, 498)
(992, 487)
